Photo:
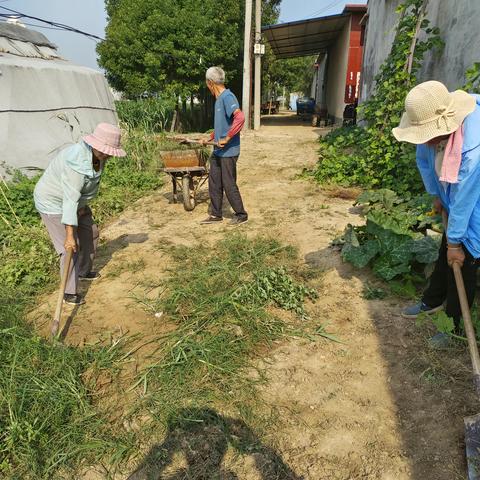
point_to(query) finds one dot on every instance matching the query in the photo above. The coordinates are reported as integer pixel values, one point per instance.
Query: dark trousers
(223, 178)
(442, 285)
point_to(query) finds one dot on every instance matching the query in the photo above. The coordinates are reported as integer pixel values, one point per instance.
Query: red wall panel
(355, 56)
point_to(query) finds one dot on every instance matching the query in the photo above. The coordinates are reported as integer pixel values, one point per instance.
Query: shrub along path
(380, 405)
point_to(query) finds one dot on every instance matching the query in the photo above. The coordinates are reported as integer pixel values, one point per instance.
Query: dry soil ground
(378, 406)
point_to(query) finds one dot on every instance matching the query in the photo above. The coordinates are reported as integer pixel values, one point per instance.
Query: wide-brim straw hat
(106, 139)
(432, 111)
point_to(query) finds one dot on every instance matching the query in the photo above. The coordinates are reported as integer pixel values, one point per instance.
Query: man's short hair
(216, 75)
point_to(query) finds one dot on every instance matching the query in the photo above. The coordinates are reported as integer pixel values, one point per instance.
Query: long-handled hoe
(61, 293)
(472, 424)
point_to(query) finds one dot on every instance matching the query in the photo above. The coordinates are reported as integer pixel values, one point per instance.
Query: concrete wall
(459, 23)
(319, 86)
(337, 74)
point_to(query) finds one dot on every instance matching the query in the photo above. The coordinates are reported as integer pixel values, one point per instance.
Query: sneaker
(90, 276)
(211, 219)
(440, 341)
(72, 299)
(235, 221)
(415, 310)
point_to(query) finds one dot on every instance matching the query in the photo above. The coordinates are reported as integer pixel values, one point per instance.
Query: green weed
(49, 425)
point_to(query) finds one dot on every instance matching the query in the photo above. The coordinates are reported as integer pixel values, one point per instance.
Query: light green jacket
(68, 183)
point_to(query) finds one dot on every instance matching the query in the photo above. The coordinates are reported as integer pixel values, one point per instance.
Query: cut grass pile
(220, 300)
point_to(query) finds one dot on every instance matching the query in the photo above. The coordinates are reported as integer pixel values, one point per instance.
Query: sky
(89, 16)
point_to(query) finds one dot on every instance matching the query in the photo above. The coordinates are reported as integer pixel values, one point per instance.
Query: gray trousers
(223, 178)
(87, 239)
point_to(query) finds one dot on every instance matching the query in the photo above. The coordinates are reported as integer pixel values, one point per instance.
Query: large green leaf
(386, 269)
(425, 250)
(396, 221)
(359, 255)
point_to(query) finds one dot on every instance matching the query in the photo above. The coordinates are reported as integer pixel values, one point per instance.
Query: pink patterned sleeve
(237, 125)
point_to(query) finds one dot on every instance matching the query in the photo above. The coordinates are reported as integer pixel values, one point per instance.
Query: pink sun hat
(106, 139)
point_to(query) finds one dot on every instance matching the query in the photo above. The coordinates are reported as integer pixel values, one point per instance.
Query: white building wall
(337, 74)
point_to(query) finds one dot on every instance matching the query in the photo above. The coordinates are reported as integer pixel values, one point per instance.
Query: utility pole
(258, 64)
(247, 68)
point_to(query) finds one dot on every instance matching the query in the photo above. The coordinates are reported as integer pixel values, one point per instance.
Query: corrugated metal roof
(22, 34)
(307, 37)
(27, 49)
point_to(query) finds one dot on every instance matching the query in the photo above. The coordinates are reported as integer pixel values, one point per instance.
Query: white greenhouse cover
(46, 103)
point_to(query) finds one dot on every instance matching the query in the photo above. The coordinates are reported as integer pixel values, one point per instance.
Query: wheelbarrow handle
(188, 140)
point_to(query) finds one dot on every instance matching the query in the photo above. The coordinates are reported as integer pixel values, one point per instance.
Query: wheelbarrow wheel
(188, 193)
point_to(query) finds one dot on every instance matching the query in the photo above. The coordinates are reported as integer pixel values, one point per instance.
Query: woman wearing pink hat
(62, 195)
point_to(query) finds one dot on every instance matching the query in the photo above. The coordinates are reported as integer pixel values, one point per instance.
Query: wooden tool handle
(188, 140)
(467, 321)
(61, 293)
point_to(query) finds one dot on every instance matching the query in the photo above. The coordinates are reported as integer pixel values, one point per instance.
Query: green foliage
(371, 156)
(276, 286)
(392, 239)
(125, 180)
(472, 79)
(371, 292)
(150, 114)
(293, 74)
(48, 423)
(165, 46)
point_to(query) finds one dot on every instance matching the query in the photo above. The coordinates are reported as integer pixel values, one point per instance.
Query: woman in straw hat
(62, 194)
(446, 129)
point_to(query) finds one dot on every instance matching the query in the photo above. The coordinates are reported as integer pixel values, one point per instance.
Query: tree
(165, 46)
(293, 74)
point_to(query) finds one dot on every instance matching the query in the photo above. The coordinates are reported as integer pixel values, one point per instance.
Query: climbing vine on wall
(370, 156)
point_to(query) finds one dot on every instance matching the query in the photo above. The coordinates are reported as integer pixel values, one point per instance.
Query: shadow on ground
(432, 390)
(202, 437)
(286, 119)
(104, 255)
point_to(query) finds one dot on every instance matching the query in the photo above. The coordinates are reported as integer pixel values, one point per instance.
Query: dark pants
(442, 285)
(223, 178)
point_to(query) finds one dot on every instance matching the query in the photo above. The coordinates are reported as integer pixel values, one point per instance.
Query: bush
(150, 114)
(393, 239)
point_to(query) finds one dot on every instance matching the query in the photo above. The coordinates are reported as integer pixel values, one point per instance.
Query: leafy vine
(370, 156)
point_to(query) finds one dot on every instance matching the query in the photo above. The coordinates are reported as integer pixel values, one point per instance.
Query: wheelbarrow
(188, 171)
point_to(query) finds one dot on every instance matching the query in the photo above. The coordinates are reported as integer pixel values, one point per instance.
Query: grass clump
(219, 302)
(49, 425)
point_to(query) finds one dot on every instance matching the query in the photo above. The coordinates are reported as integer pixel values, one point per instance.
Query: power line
(60, 26)
(324, 9)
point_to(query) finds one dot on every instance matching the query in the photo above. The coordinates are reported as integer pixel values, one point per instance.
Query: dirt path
(374, 407)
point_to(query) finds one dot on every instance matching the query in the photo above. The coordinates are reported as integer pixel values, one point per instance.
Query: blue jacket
(462, 199)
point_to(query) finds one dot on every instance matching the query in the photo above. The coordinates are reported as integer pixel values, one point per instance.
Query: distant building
(337, 40)
(46, 102)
